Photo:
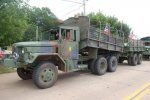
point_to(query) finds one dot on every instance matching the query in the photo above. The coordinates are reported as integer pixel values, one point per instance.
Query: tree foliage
(12, 21)
(100, 20)
(41, 17)
(18, 21)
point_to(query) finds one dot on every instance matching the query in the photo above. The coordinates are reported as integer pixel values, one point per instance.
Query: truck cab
(146, 53)
(41, 60)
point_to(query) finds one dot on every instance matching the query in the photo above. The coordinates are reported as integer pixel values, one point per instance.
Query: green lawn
(6, 69)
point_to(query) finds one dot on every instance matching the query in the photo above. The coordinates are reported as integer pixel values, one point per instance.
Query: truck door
(69, 49)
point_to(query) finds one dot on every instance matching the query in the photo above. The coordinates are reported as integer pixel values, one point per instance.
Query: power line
(71, 6)
(73, 10)
(72, 1)
(83, 4)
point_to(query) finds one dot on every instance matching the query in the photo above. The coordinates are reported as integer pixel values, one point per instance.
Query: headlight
(30, 56)
(125, 44)
(22, 51)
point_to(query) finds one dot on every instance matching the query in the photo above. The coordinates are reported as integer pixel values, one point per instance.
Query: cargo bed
(94, 37)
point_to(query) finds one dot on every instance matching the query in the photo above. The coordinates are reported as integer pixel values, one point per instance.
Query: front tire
(24, 73)
(45, 75)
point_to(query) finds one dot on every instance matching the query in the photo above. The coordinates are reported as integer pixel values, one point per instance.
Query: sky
(135, 13)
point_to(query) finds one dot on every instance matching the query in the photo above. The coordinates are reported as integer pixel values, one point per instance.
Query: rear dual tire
(139, 59)
(112, 64)
(91, 65)
(100, 65)
(135, 60)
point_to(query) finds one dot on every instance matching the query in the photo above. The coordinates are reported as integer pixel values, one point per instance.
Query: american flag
(107, 29)
(132, 36)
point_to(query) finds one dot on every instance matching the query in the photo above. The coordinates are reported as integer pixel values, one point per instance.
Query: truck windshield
(50, 35)
(147, 43)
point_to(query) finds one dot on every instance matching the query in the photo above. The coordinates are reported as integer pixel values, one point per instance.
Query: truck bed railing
(134, 43)
(103, 37)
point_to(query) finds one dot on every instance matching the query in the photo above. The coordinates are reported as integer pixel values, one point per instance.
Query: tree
(99, 18)
(41, 17)
(12, 21)
(18, 21)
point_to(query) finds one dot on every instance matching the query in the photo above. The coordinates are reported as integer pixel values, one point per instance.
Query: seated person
(68, 36)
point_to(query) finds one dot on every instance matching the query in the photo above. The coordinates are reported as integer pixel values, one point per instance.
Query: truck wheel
(91, 65)
(24, 74)
(100, 66)
(139, 59)
(134, 60)
(112, 64)
(45, 75)
(129, 61)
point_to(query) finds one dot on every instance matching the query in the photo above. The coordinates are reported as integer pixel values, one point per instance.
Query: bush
(6, 69)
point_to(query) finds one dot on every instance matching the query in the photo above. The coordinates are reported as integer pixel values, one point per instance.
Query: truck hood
(37, 43)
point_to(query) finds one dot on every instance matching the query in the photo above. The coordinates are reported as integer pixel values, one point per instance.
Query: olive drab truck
(75, 45)
(146, 53)
(132, 52)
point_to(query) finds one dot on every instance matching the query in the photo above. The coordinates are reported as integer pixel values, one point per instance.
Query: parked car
(4, 54)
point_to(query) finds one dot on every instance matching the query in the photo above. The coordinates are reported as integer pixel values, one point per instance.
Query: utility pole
(37, 29)
(37, 34)
(84, 10)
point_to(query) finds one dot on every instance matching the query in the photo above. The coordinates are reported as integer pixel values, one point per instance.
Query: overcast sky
(136, 13)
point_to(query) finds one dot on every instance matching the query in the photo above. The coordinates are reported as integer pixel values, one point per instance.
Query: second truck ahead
(74, 45)
(146, 53)
(133, 51)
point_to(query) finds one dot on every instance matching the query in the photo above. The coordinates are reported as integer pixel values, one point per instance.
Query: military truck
(146, 53)
(75, 45)
(132, 52)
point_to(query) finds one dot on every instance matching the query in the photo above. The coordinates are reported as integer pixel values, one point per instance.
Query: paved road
(127, 81)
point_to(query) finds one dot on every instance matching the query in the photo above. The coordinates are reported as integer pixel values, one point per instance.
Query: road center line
(139, 93)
